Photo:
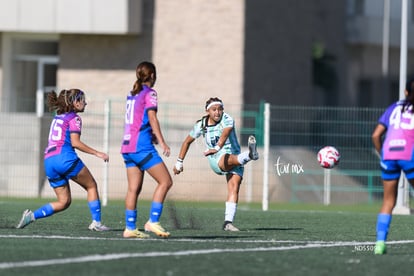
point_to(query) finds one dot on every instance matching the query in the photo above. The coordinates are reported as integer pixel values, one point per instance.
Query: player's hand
(178, 168)
(210, 152)
(103, 156)
(165, 149)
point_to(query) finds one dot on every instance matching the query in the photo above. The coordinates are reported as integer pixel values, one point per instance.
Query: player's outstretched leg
(253, 154)
(26, 219)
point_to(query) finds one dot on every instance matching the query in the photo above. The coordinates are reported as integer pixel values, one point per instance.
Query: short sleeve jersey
(212, 133)
(399, 138)
(137, 129)
(59, 135)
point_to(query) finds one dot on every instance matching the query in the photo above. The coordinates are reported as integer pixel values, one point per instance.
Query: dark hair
(204, 119)
(64, 102)
(145, 72)
(409, 99)
(209, 101)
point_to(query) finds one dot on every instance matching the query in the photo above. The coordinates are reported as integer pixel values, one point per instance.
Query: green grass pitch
(289, 239)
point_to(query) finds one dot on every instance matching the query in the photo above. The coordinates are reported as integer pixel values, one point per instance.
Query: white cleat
(253, 154)
(98, 226)
(26, 219)
(228, 226)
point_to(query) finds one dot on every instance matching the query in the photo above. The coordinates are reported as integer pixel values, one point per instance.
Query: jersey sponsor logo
(397, 142)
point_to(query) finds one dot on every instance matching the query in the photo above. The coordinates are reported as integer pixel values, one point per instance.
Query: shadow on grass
(276, 229)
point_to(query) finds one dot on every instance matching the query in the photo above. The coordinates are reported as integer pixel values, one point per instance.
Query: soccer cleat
(26, 219)
(157, 229)
(97, 226)
(228, 226)
(253, 154)
(380, 248)
(134, 234)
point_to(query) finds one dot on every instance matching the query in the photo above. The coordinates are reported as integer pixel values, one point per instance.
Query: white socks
(230, 212)
(243, 158)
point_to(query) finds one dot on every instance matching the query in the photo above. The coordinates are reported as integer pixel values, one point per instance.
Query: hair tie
(66, 94)
(213, 103)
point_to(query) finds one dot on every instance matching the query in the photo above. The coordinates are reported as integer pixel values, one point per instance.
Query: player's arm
(220, 143)
(156, 130)
(78, 144)
(377, 137)
(183, 152)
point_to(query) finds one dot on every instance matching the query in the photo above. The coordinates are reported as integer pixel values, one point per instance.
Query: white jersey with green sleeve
(212, 134)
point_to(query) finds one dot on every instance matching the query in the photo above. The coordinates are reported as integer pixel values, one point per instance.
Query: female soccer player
(142, 130)
(223, 152)
(396, 151)
(62, 163)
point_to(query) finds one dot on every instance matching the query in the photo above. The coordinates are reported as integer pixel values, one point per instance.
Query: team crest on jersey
(153, 96)
(78, 122)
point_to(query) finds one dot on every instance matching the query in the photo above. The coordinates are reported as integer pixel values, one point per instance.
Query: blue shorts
(213, 161)
(62, 167)
(391, 169)
(143, 160)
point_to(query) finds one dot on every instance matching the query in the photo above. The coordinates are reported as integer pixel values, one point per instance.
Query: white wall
(72, 16)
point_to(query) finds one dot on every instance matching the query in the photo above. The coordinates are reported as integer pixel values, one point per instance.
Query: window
(355, 7)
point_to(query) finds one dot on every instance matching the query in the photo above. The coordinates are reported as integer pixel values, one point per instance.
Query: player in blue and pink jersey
(223, 153)
(396, 151)
(63, 164)
(142, 130)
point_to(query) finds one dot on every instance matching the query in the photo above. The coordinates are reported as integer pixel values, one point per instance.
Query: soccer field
(286, 240)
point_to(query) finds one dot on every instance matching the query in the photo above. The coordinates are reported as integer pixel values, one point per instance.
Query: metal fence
(296, 134)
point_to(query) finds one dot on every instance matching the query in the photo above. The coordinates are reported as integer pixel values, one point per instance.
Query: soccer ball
(328, 157)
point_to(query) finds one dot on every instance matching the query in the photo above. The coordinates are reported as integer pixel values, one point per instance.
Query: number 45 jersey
(59, 135)
(399, 139)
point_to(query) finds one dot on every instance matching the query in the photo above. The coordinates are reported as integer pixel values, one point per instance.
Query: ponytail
(409, 99)
(146, 73)
(64, 102)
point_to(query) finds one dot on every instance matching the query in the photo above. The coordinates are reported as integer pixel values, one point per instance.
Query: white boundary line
(118, 256)
(194, 240)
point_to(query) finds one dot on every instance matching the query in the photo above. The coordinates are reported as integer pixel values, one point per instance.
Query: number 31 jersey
(399, 139)
(137, 130)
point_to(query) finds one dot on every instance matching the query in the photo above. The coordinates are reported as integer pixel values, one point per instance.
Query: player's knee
(63, 204)
(169, 184)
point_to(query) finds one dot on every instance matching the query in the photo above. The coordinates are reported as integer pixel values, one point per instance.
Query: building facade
(283, 52)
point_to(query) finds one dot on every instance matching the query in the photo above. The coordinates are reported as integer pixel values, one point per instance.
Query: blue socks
(95, 208)
(47, 210)
(44, 211)
(383, 224)
(131, 219)
(131, 215)
(155, 212)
